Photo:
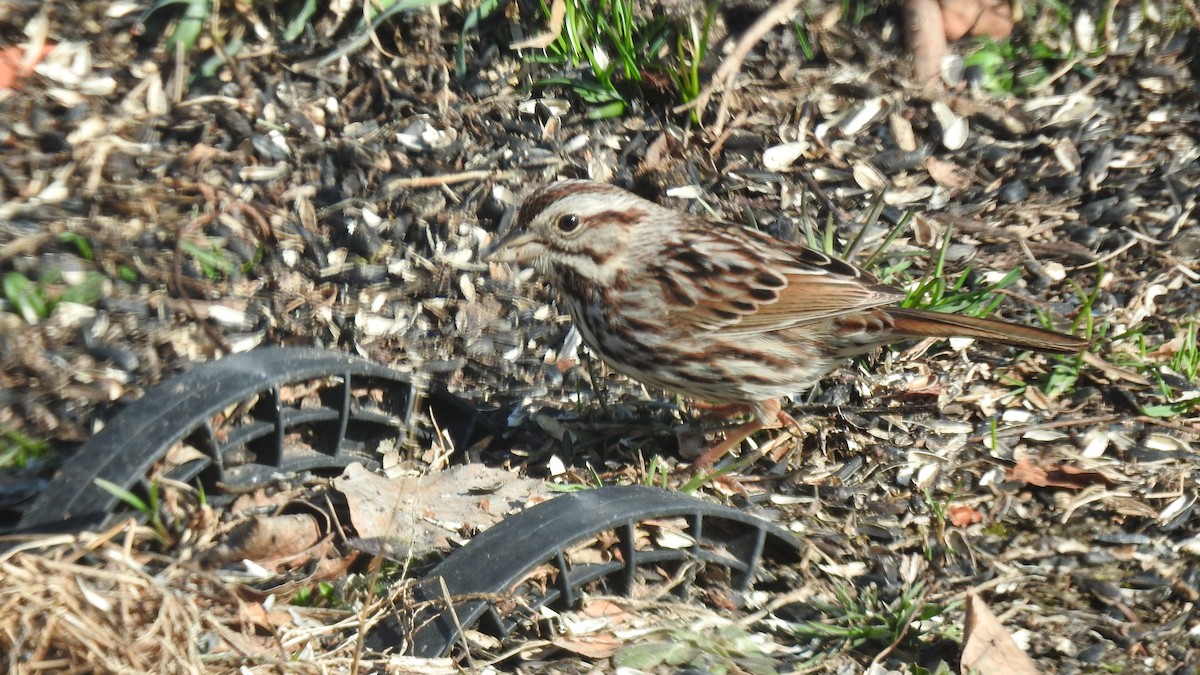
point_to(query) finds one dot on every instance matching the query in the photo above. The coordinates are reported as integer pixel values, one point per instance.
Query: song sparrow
(717, 312)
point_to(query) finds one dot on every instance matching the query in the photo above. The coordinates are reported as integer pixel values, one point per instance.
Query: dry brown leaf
(600, 643)
(423, 511)
(962, 515)
(947, 174)
(988, 649)
(990, 18)
(598, 607)
(1062, 476)
(596, 646)
(260, 501)
(269, 540)
(273, 548)
(271, 619)
(16, 64)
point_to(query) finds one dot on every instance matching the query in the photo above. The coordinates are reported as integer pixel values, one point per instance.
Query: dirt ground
(166, 211)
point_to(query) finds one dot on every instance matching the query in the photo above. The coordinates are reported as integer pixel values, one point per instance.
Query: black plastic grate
(497, 562)
(326, 427)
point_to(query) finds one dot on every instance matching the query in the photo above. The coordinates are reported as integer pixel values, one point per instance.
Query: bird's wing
(736, 281)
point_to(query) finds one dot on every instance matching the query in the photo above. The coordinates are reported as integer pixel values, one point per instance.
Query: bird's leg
(789, 421)
(767, 415)
(721, 410)
(732, 440)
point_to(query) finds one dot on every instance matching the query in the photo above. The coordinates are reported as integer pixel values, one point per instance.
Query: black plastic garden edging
(496, 562)
(280, 410)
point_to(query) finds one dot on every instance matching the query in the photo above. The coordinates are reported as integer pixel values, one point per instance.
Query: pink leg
(732, 440)
(764, 410)
(722, 410)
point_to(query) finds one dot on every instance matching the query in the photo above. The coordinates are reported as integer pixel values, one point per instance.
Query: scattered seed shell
(869, 178)
(780, 157)
(955, 130)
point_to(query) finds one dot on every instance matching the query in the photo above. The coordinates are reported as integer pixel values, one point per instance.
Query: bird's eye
(568, 223)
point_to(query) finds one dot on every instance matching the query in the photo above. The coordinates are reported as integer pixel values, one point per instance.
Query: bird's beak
(515, 247)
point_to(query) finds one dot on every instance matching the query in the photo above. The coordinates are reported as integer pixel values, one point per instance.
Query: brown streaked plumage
(717, 312)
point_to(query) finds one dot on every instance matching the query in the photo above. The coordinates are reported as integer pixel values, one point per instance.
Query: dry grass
(97, 604)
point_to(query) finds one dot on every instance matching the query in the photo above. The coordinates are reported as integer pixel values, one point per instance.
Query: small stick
(443, 179)
(723, 78)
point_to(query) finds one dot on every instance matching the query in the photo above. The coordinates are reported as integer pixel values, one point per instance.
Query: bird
(718, 312)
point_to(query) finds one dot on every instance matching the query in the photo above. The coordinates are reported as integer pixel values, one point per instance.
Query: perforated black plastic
(496, 562)
(252, 416)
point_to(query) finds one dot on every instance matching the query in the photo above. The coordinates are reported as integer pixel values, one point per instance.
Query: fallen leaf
(16, 65)
(988, 649)
(422, 512)
(596, 646)
(1062, 476)
(260, 616)
(988, 18)
(270, 541)
(962, 515)
(947, 174)
(599, 607)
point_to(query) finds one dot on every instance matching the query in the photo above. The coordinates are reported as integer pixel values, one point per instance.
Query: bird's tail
(923, 323)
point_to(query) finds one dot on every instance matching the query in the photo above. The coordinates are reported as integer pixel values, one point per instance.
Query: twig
(1054, 77)
(1057, 424)
(815, 188)
(1193, 430)
(25, 245)
(723, 78)
(1100, 261)
(443, 179)
(895, 643)
(462, 635)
